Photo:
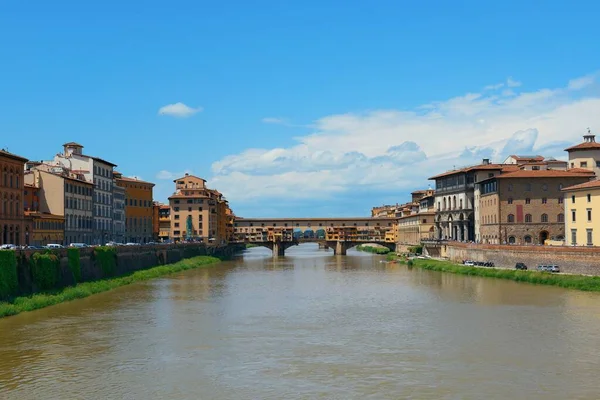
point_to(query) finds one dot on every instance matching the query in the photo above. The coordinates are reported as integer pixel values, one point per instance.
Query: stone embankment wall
(574, 260)
(128, 259)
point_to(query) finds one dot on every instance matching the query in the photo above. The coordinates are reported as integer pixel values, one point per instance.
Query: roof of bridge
(317, 219)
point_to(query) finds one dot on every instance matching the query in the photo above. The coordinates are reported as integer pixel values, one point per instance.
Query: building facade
(196, 211)
(118, 212)
(525, 206)
(585, 155)
(46, 228)
(62, 193)
(455, 194)
(582, 214)
(14, 228)
(99, 172)
(138, 209)
(417, 221)
(164, 222)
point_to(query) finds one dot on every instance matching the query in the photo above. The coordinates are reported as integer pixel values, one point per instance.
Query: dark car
(521, 266)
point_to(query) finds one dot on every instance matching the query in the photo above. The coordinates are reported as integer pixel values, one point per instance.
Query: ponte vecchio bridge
(339, 234)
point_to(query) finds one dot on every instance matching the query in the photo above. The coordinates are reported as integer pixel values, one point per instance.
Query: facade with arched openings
(13, 225)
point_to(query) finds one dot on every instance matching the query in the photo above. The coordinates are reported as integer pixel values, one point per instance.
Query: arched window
(461, 203)
(445, 207)
(544, 217)
(560, 217)
(510, 218)
(528, 218)
(527, 239)
(512, 240)
(454, 202)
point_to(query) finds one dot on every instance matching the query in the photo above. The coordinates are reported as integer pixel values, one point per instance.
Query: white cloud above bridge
(394, 151)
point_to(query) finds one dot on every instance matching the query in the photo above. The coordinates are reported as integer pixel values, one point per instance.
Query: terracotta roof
(189, 176)
(39, 214)
(102, 161)
(124, 178)
(528, 158)
(7, 154)
(546, 173)
(471, 168)
(595, 184)
(584, 146)
(579, 170)
(72, 144)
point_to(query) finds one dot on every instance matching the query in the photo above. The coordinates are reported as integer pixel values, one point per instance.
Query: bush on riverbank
(8, 274)
(107, 257)
(73, 256)
(44, 270)
(579, 282)
(416, 249)
(86, 289)
(373, 249)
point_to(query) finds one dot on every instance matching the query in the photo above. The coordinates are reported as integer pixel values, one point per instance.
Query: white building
(100, 173)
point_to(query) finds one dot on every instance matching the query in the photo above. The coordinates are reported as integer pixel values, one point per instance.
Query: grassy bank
(373, 249)
(578, 282)
(81, 290)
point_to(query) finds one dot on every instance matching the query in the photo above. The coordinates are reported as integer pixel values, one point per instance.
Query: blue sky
(312, 108)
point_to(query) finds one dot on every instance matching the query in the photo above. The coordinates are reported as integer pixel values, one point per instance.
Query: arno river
(308, 326)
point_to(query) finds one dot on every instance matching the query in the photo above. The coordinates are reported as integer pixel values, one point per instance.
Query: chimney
(486, 161)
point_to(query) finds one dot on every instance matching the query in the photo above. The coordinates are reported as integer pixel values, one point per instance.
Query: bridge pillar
(340, 248)
(278, 249)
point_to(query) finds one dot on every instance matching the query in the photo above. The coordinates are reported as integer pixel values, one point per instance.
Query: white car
(469, 263)
(54, 246)
(8, 247)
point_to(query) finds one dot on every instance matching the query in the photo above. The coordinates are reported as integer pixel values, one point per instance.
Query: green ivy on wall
(74, 263)
(8, 274)
(44, 269)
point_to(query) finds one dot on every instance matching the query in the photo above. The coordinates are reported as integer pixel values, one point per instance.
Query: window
(528, 218)
(510, 200)
(176, 233)
(511, 240)
(199, 208)
(590, 234)
(190, 201)
(527, 239)
(510, 187)
(175, 208)
(528, 187)
(511, 218)
(545, 187)
(561, 200)
(589, 197)
(176, 224)
(176, 201)
(572, 165)
(544, 217)
(589, 215)
(573, 199)
(528, 201)
(176, 216)
(583, 164)
(573, 216)
(189, 209)
(544, 200)
(560, 186)
(574, 237)
(597, 164)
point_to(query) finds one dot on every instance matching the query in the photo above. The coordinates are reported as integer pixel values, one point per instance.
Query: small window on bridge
(285, 224)
(378, 224)
(297, 224)
(366, 224)
(262, 224)
(274, 224)
(342, 225)
(251, 224)
(332, 225)
(355, 224)
(320, 224)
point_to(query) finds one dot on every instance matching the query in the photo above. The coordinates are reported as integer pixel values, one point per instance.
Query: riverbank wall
(572, 260)
(65, 267)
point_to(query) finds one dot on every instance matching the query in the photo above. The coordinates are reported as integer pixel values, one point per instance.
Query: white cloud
(178, 110)
(494, 87)
(580, 83)
(510, 82)
(395, 151)
(164, 174)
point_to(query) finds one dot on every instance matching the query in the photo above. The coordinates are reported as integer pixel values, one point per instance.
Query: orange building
(138, 209)
(14, 228)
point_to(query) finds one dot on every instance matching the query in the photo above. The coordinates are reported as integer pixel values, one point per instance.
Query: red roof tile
(546, 173)
(584, 146)
(595, 184)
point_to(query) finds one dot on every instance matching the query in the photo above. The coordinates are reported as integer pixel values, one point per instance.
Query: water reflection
(308, 325)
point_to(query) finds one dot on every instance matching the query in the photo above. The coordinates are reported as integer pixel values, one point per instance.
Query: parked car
(553, 268)
(54, 246)
(468, 263)
(78, 245)
(34, 248)
(521, 266)
(8, 247)
(132, 244)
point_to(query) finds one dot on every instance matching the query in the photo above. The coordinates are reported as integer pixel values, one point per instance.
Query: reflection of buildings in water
(582, 305)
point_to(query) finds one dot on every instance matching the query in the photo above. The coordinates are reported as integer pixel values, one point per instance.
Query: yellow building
(138, 208)
(585, 155)
(164, 222)
(582, 214)
(46, 228)
(416, 222)
(197, 212)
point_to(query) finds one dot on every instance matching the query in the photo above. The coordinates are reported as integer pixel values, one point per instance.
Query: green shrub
(416, 249)
(373, 249)
(8, 274)
(410, 263)
(75, 263)
(44, 269)
(107, 257)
